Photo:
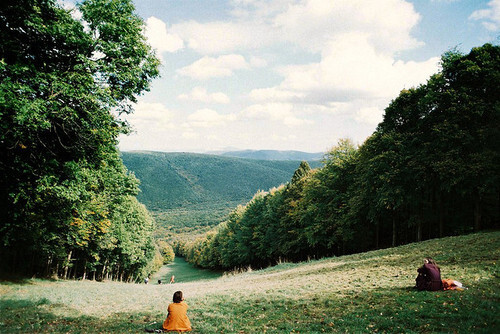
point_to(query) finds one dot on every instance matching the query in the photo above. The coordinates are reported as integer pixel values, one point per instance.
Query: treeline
(430, 169)
(67, 202)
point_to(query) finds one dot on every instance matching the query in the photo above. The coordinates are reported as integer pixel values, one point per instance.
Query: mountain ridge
(187, 192)
(272, 155)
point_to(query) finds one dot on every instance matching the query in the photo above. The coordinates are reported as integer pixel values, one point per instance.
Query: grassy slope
(184, 272)
(366, 292)
(189, 192)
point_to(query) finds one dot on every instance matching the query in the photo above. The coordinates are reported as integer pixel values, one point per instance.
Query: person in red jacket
(177, 319)
(429, 276)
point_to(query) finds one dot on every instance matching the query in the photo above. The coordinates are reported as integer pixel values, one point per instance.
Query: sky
(291, 74)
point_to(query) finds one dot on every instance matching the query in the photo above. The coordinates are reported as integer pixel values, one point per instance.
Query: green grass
(362, 293)
(183, 272)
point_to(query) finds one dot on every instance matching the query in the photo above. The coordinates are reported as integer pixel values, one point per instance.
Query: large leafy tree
(446, 134)
(64, 83)
(325, 201)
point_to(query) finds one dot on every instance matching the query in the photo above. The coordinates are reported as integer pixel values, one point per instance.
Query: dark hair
(178, 297)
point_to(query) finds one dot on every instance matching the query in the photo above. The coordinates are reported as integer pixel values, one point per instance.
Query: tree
(291, 238)
(166, 251)
(325, 201)
(64, 82)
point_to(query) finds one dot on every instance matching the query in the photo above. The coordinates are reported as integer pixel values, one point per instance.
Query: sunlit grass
(369, 292)
(183, 272)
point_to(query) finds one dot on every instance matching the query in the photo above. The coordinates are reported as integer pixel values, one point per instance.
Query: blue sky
(291, 74)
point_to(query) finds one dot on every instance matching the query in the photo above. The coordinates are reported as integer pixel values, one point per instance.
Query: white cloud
(150, 122)
(201, 94)
(490, 17)
(356, 40)
(159, 38)
(308, 24)
(209, 67)
(147, 115)
(190, 135)
(324, 70)
(279, 138)
(258, 62)
(369, 115)
(276, 112)
(387, 23)
(275, 94)
(224, 37)
(207, 118)
(350, 68)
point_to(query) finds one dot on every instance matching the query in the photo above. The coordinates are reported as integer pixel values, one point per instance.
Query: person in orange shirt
(177, 319)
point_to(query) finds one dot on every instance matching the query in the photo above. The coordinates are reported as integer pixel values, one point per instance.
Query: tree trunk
(73, 270)
(66, 266)
(376, 235)
(84, 271)
(441, 215)
(419, 230)
(118, 272)
(104, 269)
(477, 213)
(55, 272)
(47, 268)
(394, 231)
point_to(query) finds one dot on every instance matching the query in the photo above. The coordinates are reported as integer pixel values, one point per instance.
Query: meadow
(360, 293)
(183, 272)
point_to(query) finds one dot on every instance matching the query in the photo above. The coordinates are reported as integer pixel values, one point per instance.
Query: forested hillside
(431, 169)
(188, 192)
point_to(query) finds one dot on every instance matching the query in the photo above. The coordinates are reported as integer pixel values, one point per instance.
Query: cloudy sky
(291, 74)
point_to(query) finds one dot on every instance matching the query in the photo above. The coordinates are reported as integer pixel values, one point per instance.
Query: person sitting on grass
(177, 319)
(429, 276)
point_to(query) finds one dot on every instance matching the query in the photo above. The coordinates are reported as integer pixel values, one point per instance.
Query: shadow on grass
(7, 279)
(40, 316)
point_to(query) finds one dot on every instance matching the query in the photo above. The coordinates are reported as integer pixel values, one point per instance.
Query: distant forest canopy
(67, 202)
(189, 193)
(430, 169)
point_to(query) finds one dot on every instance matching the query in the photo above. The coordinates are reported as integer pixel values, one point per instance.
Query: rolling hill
(188, 192)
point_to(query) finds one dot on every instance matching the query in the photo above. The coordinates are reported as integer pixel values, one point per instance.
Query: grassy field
(183, 272)
(362, 293)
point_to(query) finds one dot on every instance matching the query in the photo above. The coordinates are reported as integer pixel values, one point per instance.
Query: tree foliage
(67, 202)
(429, 170)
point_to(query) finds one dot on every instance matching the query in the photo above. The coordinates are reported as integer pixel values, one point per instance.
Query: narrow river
(183, 272)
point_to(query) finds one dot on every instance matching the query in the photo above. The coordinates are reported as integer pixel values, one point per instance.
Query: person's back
(429, 276)
(177, 319)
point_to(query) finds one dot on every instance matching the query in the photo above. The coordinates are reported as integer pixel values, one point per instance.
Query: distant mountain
(274, 155)
(187, 192)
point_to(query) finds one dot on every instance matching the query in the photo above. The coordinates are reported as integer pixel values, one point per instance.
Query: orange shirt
(177, 319)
